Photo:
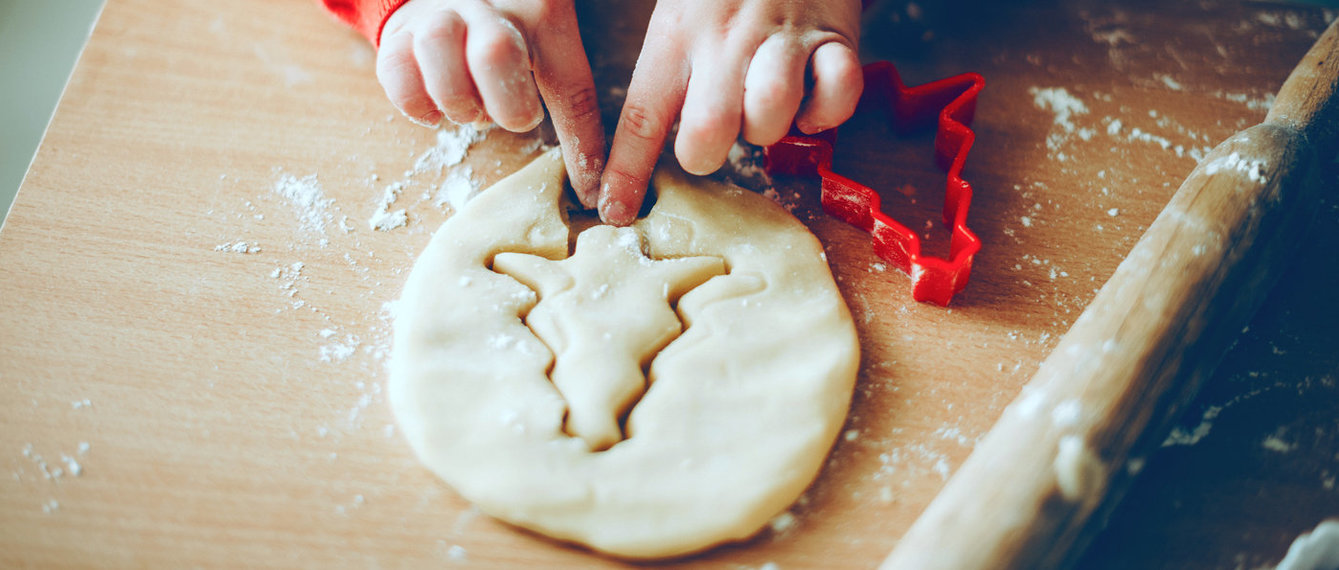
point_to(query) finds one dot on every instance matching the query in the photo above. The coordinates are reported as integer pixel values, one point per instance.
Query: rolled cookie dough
(739, 410)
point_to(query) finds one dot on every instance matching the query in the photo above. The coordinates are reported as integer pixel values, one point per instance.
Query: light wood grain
(219, 437)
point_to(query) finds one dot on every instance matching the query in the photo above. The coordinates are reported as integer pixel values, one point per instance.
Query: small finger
(838, 82)
(565, 81)
(654, 98)
(500, 65)
(398, 72)
(713, 109)
(773, 90)
(440, 49)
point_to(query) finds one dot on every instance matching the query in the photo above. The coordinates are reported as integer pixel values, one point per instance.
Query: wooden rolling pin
(1069, 445)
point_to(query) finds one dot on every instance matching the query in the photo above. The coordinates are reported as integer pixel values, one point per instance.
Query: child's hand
(472, 60)
(722, 66)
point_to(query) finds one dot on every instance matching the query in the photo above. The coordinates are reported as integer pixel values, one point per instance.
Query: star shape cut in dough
(605, 312)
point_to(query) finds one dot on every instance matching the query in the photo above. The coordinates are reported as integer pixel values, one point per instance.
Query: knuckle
(641, 122)
(708, 126)
(440, 27)
(394, 62)
(772, 95)
(580, 104)
(400, 91)
(621, 177)
(498, 48)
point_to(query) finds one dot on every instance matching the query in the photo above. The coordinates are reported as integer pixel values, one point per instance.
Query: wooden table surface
(170, 398)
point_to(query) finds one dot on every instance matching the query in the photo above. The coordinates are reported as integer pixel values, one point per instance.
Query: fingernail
(482, 120)
(539, 118)
(587, 194)
(616, 213)
(587, 181)
(431, 119)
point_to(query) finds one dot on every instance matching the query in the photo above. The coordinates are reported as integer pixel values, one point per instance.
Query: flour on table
(1180, 436)
(307, 200)
(451, 148)
(387, 220)
(458, 188)
(1275, 442)
(56, 469)
(1065, 107)
(383, 218)
(238, 247)
(457, 553)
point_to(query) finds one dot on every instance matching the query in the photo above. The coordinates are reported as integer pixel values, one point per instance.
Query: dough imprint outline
(600, 366)
(739, 410)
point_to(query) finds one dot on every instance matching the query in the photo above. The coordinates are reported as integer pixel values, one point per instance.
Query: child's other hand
(726, 66)
(475, 60)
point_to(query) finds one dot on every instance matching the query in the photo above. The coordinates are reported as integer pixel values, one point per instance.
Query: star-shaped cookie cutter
(953, 102)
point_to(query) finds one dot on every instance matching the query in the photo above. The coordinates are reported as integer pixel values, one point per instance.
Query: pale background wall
(39, 42)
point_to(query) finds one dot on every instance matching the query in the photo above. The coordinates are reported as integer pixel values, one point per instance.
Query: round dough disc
(740, 409)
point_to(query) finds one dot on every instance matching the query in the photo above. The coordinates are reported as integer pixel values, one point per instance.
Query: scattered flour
(457, 553)
(748, 164)
(783, 522)
(1065, 106)
(453, 144)
(340, 350)
(1137, 134)
(383, 219)
(307, 199)
(1291, 20)
(50, 472)
(458, 188)
(386, 221)
(1182, 437)
(72, 466)
(238, 247)
(1253, 169)
(1264, 103)
(1275, 442)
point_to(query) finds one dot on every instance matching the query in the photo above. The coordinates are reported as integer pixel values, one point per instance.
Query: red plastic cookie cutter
(953, 102)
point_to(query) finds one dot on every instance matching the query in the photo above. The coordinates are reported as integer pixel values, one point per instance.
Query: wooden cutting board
(197, 312)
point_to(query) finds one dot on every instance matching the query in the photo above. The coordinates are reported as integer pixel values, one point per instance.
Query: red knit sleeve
(365, 16)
